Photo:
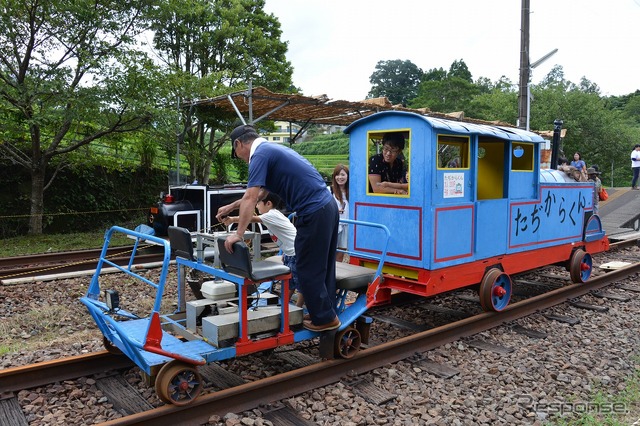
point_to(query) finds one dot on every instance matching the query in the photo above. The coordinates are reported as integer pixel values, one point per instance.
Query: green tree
(629, 104)
(209, 48)
(600, 133)
(631, 109)
(459, 69)
(497, 105)
(588, 86)
(398, 80)
(450, 94)
(555, 79)
(435, 74)
(485, 85)
(69, 77)
(446, 91)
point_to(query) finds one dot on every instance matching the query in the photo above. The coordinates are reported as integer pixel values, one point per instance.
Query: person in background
(635, 166)
(340, 191)
(388, 166)
(282, 232)
(283, 171)
(454, 163)
(579, 164)
(593, 177)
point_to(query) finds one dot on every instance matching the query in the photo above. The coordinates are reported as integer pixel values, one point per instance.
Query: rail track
(49, 266)
(52, 265)
(245, 396)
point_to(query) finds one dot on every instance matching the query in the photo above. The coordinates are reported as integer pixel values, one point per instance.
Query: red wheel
(580, 266)
(347, 343)
(178, 383)
(495, 290)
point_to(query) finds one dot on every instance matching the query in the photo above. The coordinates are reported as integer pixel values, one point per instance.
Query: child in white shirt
(282, 232)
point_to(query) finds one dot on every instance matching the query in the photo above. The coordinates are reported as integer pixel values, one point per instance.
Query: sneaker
(324, 327)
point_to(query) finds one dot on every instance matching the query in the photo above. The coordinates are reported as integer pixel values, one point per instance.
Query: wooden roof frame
(264, 104)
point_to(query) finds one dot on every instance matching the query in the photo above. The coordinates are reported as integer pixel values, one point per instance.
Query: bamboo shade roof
(297, 108)
(308, 109)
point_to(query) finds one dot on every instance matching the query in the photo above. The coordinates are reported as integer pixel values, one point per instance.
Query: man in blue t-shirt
(286, 173)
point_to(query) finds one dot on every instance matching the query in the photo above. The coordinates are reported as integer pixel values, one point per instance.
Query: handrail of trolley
(94, 288)
(383, 254)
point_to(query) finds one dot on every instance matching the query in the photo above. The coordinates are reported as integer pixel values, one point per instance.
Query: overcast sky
(334, 45)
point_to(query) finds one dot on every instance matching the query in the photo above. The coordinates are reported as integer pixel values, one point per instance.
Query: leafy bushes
(90, 198)
(80, 199)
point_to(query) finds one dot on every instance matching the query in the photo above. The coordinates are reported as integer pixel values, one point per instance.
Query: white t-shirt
(282, 231)
(635, 154)
(343, 208)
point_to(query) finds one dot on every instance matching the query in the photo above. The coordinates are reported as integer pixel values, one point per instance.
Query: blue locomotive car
(471, 206)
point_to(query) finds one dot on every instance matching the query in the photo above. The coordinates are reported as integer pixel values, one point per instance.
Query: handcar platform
(137, 330)
(236, 313)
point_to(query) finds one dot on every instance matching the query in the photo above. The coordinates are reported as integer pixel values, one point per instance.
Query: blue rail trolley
(236, 315)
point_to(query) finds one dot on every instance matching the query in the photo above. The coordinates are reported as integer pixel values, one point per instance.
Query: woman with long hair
(340, 191)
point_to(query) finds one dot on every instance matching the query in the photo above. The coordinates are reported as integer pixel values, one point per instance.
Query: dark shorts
(290, 261)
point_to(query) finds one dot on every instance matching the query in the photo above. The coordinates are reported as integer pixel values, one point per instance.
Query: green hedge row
(87, 199)
(79, 199)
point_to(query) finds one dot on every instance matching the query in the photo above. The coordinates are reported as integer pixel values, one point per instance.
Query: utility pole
(524, 93)
(523, 108)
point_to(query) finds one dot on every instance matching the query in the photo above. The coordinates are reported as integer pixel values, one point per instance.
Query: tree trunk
(37, 201)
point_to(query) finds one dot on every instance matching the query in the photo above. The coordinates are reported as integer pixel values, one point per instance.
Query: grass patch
(620, 409)
(39, 328)
(36, 244)
(4, 349)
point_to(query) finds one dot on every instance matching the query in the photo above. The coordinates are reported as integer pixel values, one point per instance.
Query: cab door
(492, 219)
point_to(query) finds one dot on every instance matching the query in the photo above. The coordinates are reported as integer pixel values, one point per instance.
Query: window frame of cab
(459, 147)
(374, 147)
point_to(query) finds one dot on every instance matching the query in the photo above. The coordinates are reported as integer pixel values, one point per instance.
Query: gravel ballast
(539, 379)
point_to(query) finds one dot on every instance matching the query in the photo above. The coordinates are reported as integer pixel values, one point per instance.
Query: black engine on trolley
(193, 207)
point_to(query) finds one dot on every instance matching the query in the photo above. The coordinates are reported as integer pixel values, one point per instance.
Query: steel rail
(44, 373)
(83, 265)
(624, 244)
(87, 261)
(57, 257)
(53, 264)
(251, 395)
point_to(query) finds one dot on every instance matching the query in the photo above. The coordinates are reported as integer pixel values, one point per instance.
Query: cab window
(453, 152)
(388, 154)
(522, 157)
